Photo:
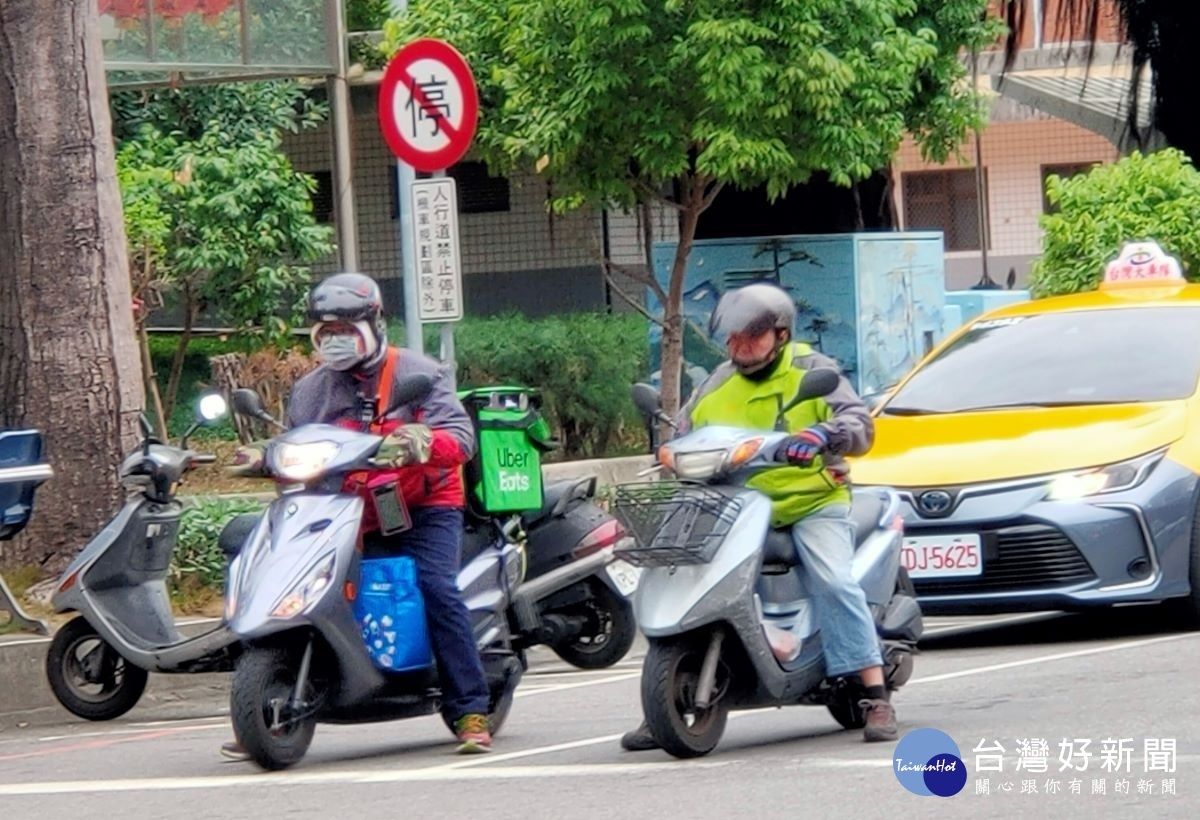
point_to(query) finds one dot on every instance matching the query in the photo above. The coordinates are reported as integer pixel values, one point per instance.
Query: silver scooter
(722, 598)
(313, 650)
(98, 663)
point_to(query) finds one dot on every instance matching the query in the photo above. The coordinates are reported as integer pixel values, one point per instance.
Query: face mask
(339, 351)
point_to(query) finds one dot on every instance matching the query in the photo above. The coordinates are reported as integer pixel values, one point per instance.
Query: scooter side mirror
(649, 401)
(247, 402)
(816, 383)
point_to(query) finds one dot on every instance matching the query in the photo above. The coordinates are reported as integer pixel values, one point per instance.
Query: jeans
(435, 543)
(825, 543)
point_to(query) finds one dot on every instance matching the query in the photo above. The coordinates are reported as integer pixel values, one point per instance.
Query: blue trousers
(825, 542)
(435, 543)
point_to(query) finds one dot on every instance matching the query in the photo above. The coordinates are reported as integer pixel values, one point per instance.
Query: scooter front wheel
(271, 726)
(670, 679)
(89, 678)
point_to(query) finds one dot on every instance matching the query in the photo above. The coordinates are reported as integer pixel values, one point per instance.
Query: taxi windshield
(1060, 359)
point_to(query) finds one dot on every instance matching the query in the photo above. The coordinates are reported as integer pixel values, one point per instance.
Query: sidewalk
(25, 697)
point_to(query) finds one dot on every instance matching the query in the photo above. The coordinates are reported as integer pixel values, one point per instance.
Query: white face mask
(340, 351)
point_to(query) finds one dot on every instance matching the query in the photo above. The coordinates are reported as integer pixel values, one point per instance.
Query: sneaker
(234, 751)
(639, 740)
(881, 720)
(473, 734)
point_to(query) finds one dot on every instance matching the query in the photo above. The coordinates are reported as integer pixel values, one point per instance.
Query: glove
(803, 447)
(248, 459)
(407, 444)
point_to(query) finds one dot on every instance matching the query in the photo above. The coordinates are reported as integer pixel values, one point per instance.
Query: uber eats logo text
(510, 460)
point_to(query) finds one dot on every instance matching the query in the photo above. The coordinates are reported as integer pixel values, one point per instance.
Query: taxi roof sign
(1142, 262)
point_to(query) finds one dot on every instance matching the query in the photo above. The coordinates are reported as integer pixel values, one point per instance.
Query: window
(478, 191)
(945, 201)
(322, 198)
(1066, 171)
(1058, 359)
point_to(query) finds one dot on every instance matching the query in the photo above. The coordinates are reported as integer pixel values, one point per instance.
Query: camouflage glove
(249, 460)
(407, 444)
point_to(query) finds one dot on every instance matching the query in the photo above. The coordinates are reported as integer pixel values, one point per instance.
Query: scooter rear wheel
(609, 634)
(89, 678)
(263, 687)
(670, 677)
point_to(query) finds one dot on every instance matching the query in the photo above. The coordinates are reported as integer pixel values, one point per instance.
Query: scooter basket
(673, 522)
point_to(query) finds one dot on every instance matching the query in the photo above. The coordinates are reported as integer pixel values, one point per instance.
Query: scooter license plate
(942, 556)
(625, 575)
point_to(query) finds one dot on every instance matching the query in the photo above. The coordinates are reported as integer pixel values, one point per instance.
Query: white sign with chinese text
(436, 250)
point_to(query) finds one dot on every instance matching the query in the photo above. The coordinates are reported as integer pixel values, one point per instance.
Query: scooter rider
(811, 493)
(426, 444)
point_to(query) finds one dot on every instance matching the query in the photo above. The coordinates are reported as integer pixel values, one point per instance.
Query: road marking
(1058, 656)
(561, 687)
(360, 776)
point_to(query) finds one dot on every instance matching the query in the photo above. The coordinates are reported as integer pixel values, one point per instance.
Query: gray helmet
(752, 309)
(354, 298)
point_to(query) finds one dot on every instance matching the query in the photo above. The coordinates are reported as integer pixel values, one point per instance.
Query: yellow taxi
(1047, 453)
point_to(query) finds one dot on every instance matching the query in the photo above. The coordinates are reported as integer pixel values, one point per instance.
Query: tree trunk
(672, 338)
(151, 380)
(68, 357)
(189, 322)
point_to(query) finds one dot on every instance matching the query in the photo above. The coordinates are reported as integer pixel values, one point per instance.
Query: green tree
(634, 101)
(226, 224)
(1154, 197)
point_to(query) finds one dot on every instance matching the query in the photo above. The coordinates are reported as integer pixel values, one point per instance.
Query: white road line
(360, 776)
(560, 687)
(1058, 656)
(968, 626)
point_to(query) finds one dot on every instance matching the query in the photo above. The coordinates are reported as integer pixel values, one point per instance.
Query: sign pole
(428, 110)
(413, 337)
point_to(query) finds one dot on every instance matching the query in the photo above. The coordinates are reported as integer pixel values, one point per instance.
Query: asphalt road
(1116, 677)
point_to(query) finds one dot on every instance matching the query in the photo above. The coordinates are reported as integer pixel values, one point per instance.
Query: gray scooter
(722, 599)
(310, 655)
(98, 663)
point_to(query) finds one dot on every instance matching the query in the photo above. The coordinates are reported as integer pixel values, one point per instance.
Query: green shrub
(198, 559)
(1154, 197)
(583, 364)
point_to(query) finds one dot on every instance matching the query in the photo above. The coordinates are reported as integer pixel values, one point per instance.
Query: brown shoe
(234, 751)
(473, 734)
(881, 720)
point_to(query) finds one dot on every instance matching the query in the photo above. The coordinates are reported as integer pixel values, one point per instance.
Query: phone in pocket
(391, 510)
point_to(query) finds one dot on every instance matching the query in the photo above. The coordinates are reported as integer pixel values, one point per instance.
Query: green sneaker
(473, 734)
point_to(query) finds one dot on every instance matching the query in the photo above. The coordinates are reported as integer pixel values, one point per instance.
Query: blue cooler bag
(391, 614)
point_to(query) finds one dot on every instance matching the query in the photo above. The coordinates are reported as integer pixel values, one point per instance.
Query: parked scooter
(98, 663)
(330, 635)
(22, 471)
(723, 600)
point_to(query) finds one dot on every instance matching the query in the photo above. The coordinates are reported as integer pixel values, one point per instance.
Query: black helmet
(752, 309)
(355, 299)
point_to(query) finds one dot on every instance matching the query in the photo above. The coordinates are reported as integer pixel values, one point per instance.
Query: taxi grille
(1035, 556)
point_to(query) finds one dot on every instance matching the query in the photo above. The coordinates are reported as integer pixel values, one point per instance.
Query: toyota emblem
(935, 502)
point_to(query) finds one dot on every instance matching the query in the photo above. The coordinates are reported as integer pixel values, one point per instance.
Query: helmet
(354, 299)
(752, 309)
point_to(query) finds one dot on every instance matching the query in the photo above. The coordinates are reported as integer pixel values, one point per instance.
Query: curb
(25, 697)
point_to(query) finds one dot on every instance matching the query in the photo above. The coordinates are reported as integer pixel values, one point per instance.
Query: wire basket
(673, 523)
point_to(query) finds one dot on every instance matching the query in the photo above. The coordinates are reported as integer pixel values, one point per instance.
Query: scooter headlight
(699, 466)
(308, 590)
(301, 462)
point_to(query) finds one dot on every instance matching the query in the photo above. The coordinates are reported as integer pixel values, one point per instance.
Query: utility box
(977, 302)
(872, 301)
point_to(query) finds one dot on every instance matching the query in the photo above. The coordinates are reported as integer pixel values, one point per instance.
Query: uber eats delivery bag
(506, 474)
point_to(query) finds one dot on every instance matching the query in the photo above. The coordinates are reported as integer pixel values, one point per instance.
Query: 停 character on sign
(427, 101)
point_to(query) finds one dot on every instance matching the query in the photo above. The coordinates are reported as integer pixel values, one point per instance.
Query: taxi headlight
(1112, 478)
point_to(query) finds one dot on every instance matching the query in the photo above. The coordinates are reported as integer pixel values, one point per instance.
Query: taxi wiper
(910, 411)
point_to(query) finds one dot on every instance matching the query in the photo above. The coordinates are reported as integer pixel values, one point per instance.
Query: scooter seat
(779, 551)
